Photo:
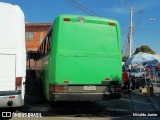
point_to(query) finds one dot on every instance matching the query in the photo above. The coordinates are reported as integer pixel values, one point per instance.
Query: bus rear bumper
(84, 92)
(11, 100)
(81, 96)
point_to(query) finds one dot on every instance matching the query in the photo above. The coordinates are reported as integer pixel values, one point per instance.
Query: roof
(38, 24)
(11, 17)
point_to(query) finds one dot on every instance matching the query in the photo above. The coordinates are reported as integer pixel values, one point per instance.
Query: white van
(137, 72)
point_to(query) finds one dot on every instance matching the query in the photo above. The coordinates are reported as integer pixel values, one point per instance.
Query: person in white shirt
(148, 79)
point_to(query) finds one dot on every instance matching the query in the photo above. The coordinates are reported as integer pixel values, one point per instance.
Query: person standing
(153, 73)
(148, 82)
(158, 73)
(126, 80)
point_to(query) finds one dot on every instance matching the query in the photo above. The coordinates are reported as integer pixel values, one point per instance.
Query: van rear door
(7, 72)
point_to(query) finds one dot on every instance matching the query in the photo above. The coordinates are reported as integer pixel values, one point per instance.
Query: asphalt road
(114, 109)
(130, 106)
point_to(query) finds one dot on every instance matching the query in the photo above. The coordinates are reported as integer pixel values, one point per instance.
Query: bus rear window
(89, 37)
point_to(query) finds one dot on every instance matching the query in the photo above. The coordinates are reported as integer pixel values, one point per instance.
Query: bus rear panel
(85, 59)
(12, 56)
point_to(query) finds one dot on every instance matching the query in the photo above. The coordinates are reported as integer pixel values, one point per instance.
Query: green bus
(80, 59)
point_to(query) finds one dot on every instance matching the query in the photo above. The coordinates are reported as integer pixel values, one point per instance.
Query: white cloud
(118, 10)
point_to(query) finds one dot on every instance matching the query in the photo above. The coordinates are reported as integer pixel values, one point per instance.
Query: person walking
(126, 80)
(148, 79)
(153, 72)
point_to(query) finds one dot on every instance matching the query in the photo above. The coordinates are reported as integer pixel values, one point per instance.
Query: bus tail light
(54, 88)
(18, 83)
(111, 24)
(67, 19)
(11, 96)
(107, 78)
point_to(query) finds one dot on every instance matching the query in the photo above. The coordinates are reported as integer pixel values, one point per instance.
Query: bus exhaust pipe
(9, 103)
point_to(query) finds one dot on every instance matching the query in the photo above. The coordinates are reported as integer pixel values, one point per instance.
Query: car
(137, 72)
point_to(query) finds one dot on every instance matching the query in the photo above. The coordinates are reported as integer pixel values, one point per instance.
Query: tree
(144, 48)
(124, 58)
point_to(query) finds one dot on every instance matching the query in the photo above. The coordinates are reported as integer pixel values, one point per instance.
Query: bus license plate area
(89, 87)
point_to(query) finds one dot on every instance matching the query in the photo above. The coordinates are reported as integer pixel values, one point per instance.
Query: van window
(135, 70)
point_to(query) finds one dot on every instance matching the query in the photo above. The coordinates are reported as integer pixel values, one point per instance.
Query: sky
(146, 16)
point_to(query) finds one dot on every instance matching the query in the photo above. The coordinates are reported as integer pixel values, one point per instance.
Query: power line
(77, 7)
(138, 22)
(83, 8)
(151, 34)
(145, 28)
(140, 16)
(86, 8)
(154, 29)
(127, 45)
(124, 32)
(124, 26)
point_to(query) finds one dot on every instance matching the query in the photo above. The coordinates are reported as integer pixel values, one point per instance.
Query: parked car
(137, 72)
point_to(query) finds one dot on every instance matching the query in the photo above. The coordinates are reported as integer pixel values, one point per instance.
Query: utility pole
(131, 32)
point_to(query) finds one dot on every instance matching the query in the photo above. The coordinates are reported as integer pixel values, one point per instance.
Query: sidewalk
(156, 97)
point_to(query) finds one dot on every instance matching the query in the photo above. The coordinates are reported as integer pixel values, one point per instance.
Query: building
(35, 33)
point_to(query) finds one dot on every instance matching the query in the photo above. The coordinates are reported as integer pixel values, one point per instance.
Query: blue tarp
(142, 58)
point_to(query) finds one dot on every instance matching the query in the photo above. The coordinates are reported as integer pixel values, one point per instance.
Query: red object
(57, 88)
(111, 24)
(107, 78)
(125, 76)
(11, 96)
(66, 19)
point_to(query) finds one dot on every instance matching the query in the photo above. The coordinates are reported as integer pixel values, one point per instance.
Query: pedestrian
(148, 79)
(158, 73)
(126, 80)
(153, 72)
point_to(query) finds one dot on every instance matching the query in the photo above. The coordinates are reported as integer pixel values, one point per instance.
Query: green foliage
(144, 48)
(124, 58)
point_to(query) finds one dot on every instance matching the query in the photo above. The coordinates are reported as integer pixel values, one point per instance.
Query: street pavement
(156, 96)
(126, 108)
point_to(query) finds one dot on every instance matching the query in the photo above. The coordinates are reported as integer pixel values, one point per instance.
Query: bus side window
(49, 41)
(49, 44)
(46, 45)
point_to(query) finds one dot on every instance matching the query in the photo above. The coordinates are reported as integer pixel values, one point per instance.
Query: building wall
(40, 31)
